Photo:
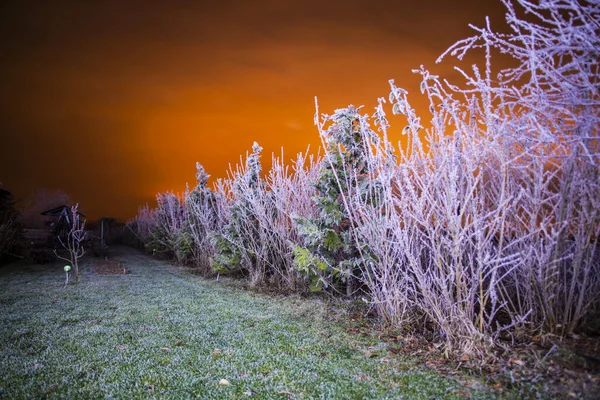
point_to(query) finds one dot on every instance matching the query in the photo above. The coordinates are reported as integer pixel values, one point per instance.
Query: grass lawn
(160, 332)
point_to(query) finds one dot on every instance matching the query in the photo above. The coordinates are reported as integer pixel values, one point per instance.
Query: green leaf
(332, 241)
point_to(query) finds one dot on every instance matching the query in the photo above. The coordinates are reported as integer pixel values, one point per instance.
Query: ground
(135, 327)
(108, 267)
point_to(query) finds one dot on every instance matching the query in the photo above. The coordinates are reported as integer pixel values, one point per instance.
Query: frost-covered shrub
(491, 218)
(486, 218)
(257, 229)
(170, 234)
(238, 244)
(550, 107)
(203, 207)
(180, 226)
(329, 255)
(291, 195)
(138, 230)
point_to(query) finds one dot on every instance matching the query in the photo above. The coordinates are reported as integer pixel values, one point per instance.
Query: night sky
(114, 101)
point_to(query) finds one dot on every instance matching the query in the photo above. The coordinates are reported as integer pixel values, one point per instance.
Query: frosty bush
(171, 234)
(138, 230)
(546, 114)
(181, 225)
(490, 220)
(486, 219)
(329, 256)
(238, 245)
(203, 214)
(257, 230)
(244, 225)
(292, 195)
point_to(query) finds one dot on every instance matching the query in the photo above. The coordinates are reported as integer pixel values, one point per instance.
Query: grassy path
(160, 332)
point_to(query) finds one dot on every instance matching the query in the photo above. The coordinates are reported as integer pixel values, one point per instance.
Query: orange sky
(113, 101)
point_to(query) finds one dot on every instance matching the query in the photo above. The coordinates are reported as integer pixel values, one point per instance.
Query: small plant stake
(67, 268)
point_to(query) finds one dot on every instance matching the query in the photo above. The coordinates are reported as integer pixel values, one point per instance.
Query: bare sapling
(73, 242)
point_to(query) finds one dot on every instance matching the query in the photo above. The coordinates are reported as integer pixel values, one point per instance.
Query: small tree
(330, 255)
(73, 241)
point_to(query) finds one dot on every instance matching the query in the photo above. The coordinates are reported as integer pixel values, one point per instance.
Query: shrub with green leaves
(169, 235)
(484, 221)
(256, 231)
(235, 243)
(329, 255)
